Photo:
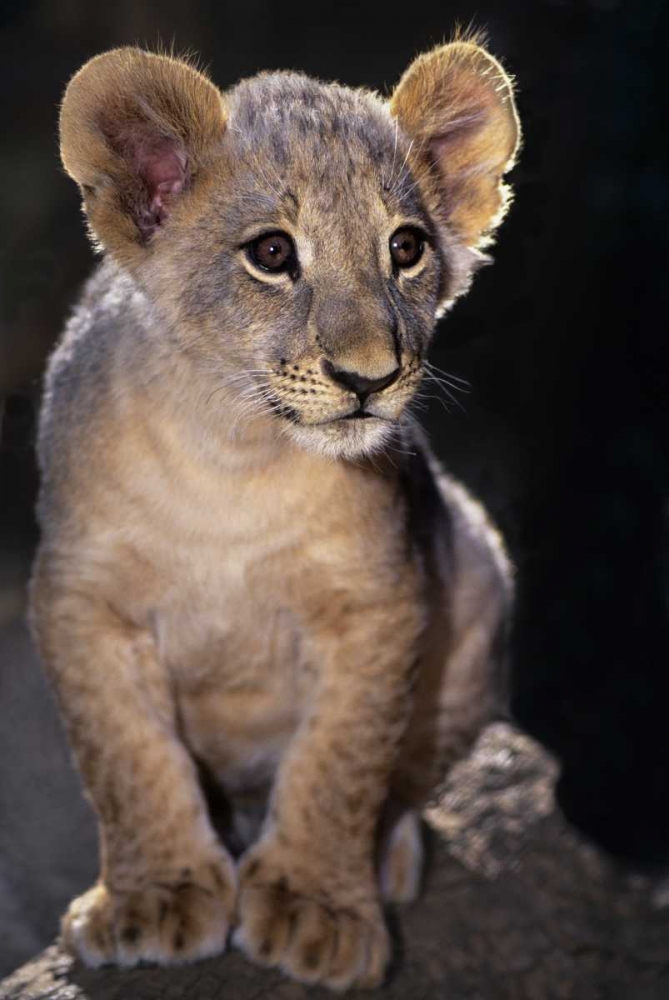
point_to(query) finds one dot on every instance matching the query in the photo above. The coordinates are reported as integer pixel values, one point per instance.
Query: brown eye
(273, 252)
(406, 246)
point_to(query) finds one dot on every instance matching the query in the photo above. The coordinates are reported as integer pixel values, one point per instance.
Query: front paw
(318, 930)
(169, 921)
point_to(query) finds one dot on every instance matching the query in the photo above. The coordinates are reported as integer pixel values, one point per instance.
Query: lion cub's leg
(459, 688)
(446, 722)
(309, 898)
(166, 889)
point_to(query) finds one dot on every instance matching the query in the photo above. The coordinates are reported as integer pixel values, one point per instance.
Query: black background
(564, 340)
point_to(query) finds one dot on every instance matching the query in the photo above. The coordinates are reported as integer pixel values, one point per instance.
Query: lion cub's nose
(359, 384)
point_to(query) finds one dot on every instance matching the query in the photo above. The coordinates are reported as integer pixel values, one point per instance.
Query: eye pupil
(406, 246)
(273, 252)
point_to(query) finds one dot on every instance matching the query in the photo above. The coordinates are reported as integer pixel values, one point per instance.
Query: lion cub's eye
(273, 252)
(406, 246)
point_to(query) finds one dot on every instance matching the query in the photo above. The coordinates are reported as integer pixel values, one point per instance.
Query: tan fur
(230, 573)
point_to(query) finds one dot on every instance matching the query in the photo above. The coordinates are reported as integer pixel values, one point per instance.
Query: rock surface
(516, 907)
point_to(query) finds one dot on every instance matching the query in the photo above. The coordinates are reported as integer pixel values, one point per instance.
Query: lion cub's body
(250, 580)
(221, 546)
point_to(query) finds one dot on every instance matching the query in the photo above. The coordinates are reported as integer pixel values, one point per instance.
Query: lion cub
(250, 563)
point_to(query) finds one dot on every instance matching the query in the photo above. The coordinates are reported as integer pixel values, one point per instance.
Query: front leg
(166, 887)
(308, 899)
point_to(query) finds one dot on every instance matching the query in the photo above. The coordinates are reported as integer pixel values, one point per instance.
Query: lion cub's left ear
(456, 104)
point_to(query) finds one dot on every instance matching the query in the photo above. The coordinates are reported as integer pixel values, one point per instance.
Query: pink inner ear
(158, 165)
(163, 166)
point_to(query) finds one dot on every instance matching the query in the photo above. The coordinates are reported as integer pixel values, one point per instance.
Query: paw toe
(348, 958)
(164, 922)
(311, 945)
(266, 916)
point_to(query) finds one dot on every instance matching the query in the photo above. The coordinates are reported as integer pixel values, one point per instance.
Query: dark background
(564, 341)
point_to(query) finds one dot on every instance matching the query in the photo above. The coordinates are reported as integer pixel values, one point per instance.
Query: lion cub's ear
(456, 104)
(136, 129)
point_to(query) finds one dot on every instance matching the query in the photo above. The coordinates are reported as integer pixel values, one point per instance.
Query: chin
(343, 438)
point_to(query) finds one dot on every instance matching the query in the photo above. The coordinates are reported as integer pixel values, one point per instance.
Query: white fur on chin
(348, 439)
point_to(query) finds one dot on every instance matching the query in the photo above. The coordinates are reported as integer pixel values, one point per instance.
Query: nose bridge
(356, 330)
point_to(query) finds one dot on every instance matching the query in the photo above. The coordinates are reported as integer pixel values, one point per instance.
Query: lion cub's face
(300, 237)
(313, 278)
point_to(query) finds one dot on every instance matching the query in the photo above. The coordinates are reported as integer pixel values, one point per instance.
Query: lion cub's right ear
(136, 129)
(456, 104)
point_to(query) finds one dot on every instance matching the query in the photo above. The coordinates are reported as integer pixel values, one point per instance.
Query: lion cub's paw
(168, 922)
(402, 860)
(333, 939)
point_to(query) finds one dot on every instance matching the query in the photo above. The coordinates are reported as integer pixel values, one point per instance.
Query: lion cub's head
(297, 238)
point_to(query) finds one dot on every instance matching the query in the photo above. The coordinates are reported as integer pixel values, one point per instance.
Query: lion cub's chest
(225, 597)
(241, 684)
(227, 631)
(225, 634)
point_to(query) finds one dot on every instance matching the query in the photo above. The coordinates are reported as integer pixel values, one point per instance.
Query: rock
(516, 907)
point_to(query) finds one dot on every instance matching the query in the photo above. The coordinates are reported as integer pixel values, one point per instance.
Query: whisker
(246, 377)
(392, 168)
(441, 401)
(244, 408)
(404, 163)
(444, 382)
(402, 451)
(447, 393)
(449, 375)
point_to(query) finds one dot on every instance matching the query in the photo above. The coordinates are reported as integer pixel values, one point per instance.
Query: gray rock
(516, 907)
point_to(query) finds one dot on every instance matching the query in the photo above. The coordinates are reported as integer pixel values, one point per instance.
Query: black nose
(359, 384)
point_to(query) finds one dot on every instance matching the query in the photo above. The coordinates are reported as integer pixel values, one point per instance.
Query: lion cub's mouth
(359, 415)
